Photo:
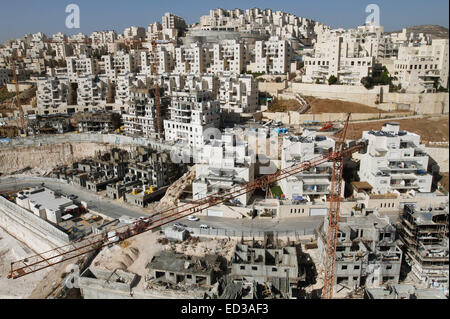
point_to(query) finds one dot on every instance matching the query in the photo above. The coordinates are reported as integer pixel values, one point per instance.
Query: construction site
(253, 155)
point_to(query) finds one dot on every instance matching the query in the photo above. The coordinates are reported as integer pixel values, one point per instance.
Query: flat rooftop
(46, 198)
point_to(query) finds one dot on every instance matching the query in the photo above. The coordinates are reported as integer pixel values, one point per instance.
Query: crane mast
(155, 66)
(16, 83)
(333, 215)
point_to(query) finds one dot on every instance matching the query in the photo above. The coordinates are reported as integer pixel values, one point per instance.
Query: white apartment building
(140, 120)
(103, 37)
(418, 67)
(271, 57)
(134, 33)
(228, 57)
(256, 20)
(191, 113)
(225, 163)
(171, 21)
(92, 91)
(238, 94)
(341, 54)
(80, 66)
(119, 63)
(124, 83)
(201, 82)
(395, 161)
(191, 59)
(59, 37)
(171, 82)
(52, 94)
(315, 182)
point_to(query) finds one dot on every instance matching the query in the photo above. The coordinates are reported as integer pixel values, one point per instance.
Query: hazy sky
(29, 16)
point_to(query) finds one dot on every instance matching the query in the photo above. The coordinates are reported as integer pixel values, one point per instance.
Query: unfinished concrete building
(154, 166)
(263, 263)
(274, 268)
(186, 270)
(96, 173)
(424, 234)
(49, 124)
(367, 254)
(403, 291)
(97, 121)
(140, 119)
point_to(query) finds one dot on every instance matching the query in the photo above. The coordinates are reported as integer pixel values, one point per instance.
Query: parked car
(203, 226)
(193, 218)
(180, 225)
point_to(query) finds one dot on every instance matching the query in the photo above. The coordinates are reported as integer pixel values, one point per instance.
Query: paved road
(257, 225)
(113, 209)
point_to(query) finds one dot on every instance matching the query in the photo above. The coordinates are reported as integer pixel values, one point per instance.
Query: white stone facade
(395, 161)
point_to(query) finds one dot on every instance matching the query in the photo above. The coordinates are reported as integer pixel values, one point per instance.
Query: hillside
(435, 31)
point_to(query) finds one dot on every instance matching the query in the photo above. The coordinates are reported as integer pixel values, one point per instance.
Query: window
(356, 267)
(388, 267)
(242, 267)
(344, 267)
(254, 268)
(274, 269)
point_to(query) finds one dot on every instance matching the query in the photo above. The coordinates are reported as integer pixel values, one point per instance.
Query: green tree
(368, 82)
(332, 80)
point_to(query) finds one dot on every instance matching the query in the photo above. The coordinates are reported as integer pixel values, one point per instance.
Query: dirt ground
(336, 106)
(284, 105)
(11, 250)
(431, 129)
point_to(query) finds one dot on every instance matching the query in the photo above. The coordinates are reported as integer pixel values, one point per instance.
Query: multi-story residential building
(311, 183)
(124, 83)
(119, 63)
(80, 66)
(224, 164)
(420, 68)
(134, 33)
(271, 57)
(424, 234)
(52, 95)
(261, 21)
(191, 59)
(340, 54)
(201, 82)
(395, 161)
(228, 57)
(171, 21)
(92, 91)
(103, 37)
(191, 113)
(140, 120)
(97, 121)
(366, 255)
(238, 94)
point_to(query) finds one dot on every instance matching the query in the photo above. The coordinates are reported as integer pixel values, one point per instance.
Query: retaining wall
(295, 118)
(378, 97)
(29, 228)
